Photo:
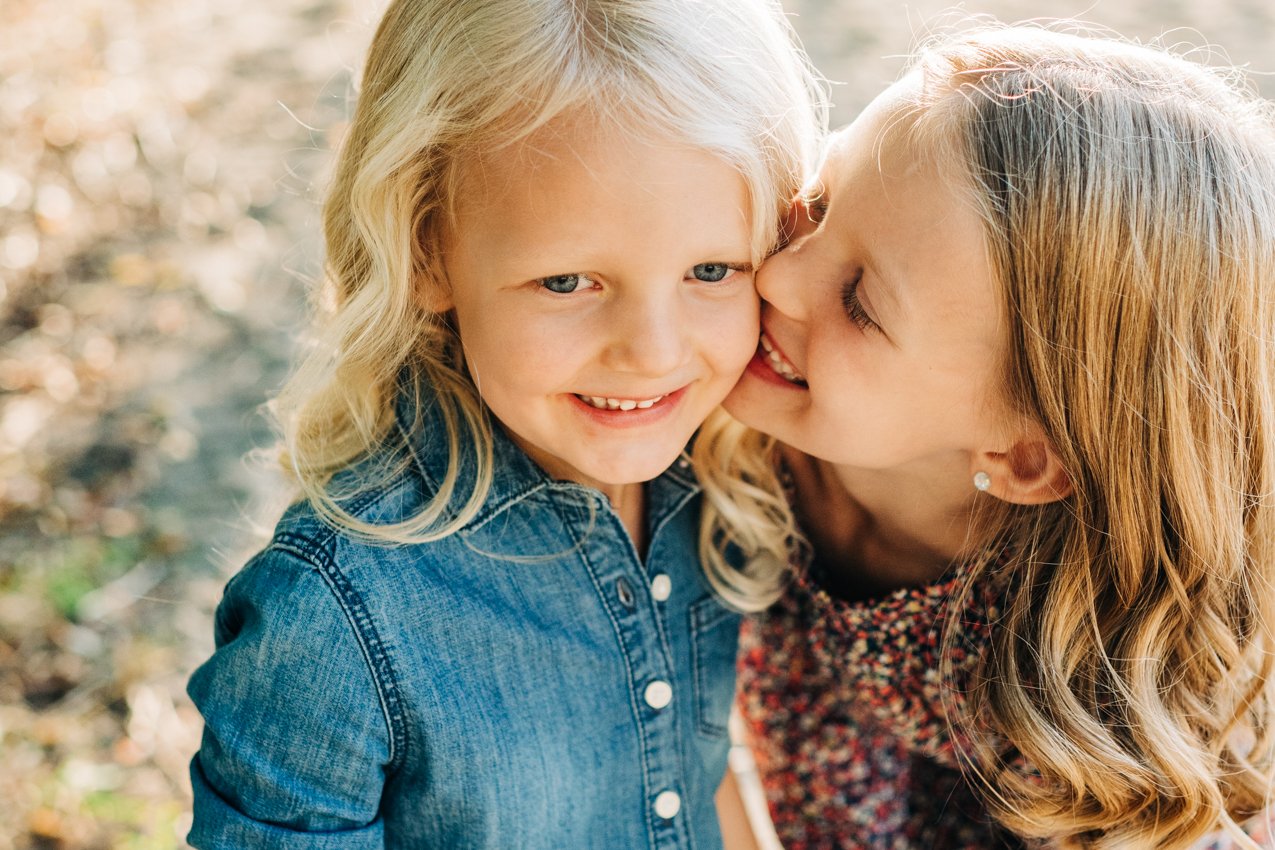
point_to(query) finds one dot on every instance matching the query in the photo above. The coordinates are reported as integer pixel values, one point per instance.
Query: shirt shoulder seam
(375, 655)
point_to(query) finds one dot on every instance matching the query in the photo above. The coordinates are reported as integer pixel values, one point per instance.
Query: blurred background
(161, 167)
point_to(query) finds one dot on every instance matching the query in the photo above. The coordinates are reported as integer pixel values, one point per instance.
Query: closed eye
(817, 207)
(854, 307)
(811, 205)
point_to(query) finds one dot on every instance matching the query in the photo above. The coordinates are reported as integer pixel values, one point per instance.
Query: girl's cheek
(732, 319)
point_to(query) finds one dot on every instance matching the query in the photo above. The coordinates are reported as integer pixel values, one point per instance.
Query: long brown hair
(1129, 201)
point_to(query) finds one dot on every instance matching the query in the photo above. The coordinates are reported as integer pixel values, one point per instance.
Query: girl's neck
(876, 531)
(629, 503)
(627, 500)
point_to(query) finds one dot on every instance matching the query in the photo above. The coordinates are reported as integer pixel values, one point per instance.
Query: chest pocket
(714, 641)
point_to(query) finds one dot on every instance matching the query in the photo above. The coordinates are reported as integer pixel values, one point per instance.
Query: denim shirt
(528, 682)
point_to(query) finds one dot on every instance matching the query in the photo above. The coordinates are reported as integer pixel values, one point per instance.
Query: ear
(433, 292)
(1029, 473)
(432, 287)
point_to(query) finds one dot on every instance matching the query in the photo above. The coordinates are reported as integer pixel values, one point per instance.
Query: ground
(161, 167)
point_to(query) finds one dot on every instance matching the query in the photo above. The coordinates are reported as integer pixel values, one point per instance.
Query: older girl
(1018, 362)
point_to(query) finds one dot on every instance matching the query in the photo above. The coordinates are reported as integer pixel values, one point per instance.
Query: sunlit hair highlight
(1129, 202)
(447, 82)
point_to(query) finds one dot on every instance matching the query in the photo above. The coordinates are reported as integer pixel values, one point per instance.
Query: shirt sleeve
(296, 741)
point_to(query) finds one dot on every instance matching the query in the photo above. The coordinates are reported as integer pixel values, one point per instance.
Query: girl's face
(880, 320)
(603, 292)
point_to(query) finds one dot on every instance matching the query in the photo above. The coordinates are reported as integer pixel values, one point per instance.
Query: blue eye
(712, 272)
(563, 283)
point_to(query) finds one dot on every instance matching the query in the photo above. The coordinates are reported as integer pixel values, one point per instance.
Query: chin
(635, 471)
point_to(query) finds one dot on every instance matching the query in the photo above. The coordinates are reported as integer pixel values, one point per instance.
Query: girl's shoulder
(367, 494)
(384, 522)
(335, 557)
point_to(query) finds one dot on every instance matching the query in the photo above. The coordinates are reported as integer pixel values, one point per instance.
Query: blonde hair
(1129, 202)
(449, 80)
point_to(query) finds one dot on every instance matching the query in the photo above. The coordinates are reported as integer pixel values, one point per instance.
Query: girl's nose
(651, 337)
(780, 280)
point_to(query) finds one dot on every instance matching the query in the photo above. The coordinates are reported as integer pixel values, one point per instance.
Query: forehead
(906, 209)
(890, 163)
(585, 195)
(889, 135)
(577, 160)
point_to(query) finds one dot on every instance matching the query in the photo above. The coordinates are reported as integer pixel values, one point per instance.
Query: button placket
(640, 621)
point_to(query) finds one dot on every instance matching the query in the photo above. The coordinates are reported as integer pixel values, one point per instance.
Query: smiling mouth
(774, 358)
(608, 403)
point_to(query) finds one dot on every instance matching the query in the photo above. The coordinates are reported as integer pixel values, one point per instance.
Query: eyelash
(817, 207)
(854, 307)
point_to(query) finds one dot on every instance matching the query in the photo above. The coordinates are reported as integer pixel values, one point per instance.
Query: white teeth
(607, 403)
(776, 361)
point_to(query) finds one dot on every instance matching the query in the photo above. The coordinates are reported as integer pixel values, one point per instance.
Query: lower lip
(635, 418)
(758, 368)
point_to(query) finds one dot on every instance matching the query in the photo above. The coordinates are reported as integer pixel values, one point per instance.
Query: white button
(658, 694)
(661, 587)
(668, 804)
(683, 463)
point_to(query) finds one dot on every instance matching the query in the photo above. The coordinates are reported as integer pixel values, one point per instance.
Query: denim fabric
(448, 695)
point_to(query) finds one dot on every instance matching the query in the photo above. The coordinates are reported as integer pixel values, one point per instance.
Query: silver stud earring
(982, 481)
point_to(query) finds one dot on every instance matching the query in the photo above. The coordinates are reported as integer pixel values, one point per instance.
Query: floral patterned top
(847, 708)
(847, 703)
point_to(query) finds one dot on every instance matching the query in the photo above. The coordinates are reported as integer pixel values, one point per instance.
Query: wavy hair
(449, 80)
(1129, 202)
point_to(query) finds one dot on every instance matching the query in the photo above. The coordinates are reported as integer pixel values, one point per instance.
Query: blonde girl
(1018, 363)
(484, 623)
